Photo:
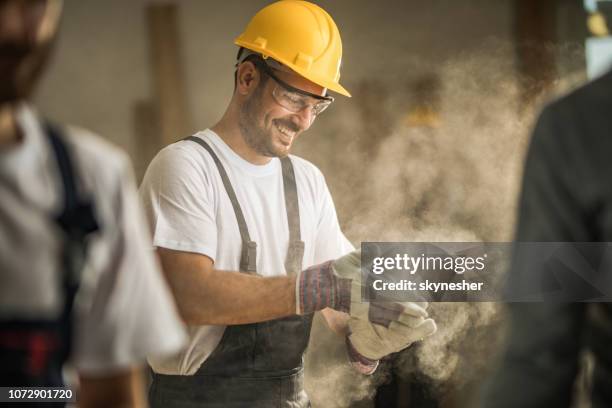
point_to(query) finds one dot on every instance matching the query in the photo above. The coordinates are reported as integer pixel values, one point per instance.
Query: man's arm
(124, 389)
(205, 295)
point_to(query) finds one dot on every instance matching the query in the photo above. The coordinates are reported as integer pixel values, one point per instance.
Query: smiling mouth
(286, 133)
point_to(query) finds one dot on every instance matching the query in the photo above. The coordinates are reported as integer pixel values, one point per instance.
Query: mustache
(289, 124)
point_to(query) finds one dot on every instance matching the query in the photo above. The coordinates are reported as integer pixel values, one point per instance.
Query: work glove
(337, 285)
(368, 342)
(329, 284)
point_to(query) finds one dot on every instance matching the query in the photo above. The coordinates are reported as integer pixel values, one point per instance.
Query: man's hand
(369, 342)
(333, 284)
(337, 285)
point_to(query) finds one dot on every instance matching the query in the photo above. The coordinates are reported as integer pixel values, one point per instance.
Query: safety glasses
(293, 99)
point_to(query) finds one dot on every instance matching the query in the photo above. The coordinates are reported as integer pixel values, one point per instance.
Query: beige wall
(101, 67)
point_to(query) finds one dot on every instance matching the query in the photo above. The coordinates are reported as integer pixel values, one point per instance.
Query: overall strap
(248, 257)
(77, 221)
(295, 252)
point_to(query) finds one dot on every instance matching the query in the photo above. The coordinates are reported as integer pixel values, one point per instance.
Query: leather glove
(337, 284)
(374, 341)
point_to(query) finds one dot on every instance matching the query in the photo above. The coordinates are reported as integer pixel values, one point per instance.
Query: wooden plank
(148, 139)
(168, 73)
(535, 38)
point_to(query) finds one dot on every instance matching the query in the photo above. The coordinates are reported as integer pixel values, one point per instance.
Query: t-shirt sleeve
(178, 200)
(129, 313)
(330, 242)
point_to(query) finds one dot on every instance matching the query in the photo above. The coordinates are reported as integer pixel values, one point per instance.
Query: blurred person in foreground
(566, 197)
(248, 235)
(78, 281)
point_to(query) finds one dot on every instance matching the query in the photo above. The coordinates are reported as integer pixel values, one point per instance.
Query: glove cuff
(359, 362)
(317, 288)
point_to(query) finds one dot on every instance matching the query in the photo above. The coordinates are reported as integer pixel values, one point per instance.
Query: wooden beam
(535, 37)
(168, 74)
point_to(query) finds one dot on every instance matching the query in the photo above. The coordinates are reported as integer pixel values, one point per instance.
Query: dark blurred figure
(78, 282)
(566, 197)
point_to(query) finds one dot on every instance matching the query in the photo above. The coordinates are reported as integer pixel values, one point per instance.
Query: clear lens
(294, 102)
(291, 98)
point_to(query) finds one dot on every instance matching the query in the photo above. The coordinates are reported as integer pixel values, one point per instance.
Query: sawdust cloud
(457, 180)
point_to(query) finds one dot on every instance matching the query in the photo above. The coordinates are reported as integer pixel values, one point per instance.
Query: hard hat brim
(330, 85)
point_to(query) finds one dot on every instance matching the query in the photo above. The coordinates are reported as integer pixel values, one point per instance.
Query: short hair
(249, 57)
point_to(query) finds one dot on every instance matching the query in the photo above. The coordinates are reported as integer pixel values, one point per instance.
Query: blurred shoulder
(591, 100)
(96, 157)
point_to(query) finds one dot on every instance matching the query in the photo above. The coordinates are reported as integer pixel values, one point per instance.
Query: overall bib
(258, 365)
(33, 351)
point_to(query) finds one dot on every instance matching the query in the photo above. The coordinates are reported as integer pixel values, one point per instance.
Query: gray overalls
(256, 365)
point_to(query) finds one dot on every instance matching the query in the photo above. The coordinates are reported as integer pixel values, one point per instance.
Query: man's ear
(247, 78)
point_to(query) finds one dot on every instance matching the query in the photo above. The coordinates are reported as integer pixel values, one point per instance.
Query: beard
(20, 68)
(255, 135)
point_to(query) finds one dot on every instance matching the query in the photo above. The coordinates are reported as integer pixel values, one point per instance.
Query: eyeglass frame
(263, 66)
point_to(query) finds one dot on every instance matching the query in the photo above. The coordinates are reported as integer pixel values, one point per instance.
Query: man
(77, 279)
(239, 224)
(566, 197)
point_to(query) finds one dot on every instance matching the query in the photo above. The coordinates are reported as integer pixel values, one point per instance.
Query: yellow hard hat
(301, 36)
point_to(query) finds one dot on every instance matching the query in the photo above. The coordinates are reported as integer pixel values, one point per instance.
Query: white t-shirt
(124, 310)
(189, 210)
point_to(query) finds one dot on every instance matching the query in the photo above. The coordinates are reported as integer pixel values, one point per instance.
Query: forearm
(205, 295)
(224, 297)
